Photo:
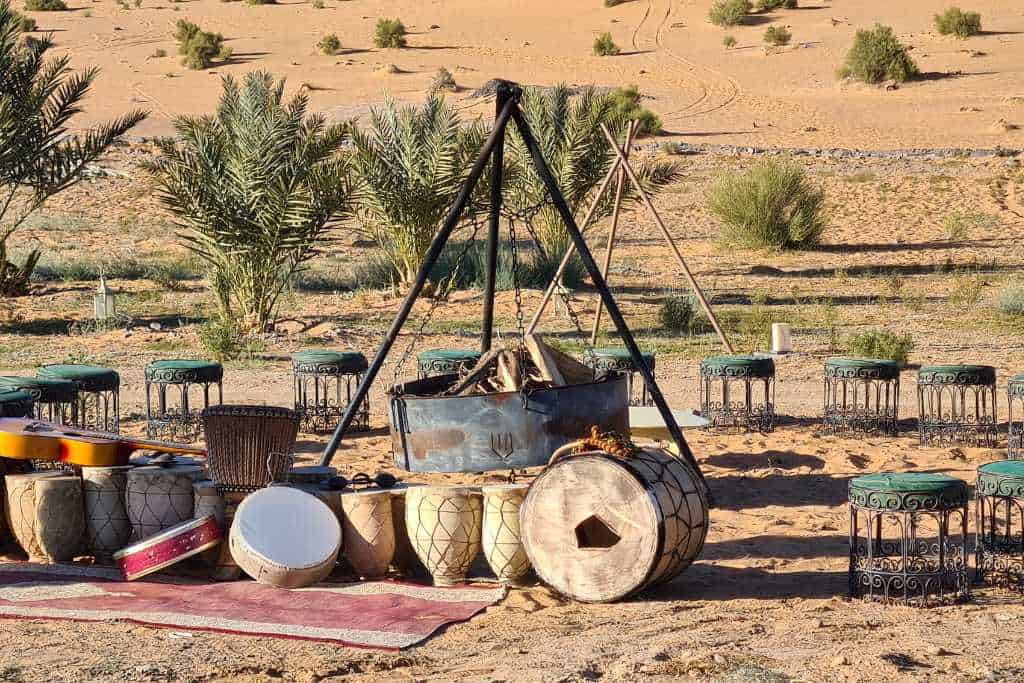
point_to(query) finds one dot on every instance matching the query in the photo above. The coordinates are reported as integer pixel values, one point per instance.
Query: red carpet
(382, 615)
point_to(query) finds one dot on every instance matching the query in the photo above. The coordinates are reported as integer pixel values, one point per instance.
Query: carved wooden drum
(369, 532)
(444, 526)
(501, 538)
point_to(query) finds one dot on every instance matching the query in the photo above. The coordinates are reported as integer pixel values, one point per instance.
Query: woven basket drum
(598, 528)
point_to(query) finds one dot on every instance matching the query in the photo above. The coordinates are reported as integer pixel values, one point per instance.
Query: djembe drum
(158, 497)
(405, 561)
(107, 527)
(369, 532)
(208, 502)
(46, 514)
(444, 527)
(501, 539)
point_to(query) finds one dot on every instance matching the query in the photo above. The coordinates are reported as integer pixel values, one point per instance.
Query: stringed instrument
(27, 439)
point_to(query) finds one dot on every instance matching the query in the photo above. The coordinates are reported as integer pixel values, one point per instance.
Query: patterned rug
(382, 615)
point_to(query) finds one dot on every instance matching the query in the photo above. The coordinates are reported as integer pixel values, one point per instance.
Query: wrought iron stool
(15, 403)
(445, 362)
(957, 405)
(99, 392)
(999, 523)
(56, 400)
(604, 361)
(908, 538)
(753, 378)
(1015, 397)
(862, 395)
(324, 383)
(181, 423)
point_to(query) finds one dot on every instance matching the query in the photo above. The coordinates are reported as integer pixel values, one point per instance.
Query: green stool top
(983, 375)
(1001, 478)
(446, 359)
(1016, 386)
(87, 377)
(15, 402)
(42, 389)
(738, 366)
(615, 357)
(330, 362)
(908, 491)
(862, 368)
(180, 371)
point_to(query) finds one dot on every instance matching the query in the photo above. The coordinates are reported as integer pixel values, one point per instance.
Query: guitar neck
(161, 446)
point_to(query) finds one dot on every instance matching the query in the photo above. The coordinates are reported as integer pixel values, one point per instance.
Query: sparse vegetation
(959, 224)
(45, 5)
(604, 46)
(777, 36)
(729, 42)
(729, 12)
(772, 205)
(443, 81)
(1011, 299)
(318, 4)
(877, 55)
(768, 5)
(881, 344)
(329, 44)
(677, 313)
(613, 3)
(627, 106)
(255, 227)
(197, 47)
(389, 33)
(956, 22)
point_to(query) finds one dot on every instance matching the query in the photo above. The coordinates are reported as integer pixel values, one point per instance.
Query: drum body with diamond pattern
(107, 527)
(444, 524)
(159, 497)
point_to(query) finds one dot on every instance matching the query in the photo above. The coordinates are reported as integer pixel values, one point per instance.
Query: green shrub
(768, 5)
(389, 33)
(877, 55)
(881, 344)
(261, 2)
(677, 313)
(318, 4)
(777, 36)
(197, 47)
(772, 205)
(729, 12)
(443, 81)
(626, 101)
(222, 339)
(45, 5)
(1011, 299)
(329, 44)
(729, 42)
(604, 46)
(955, 22)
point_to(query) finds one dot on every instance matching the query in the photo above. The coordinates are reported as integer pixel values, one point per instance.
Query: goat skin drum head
(288, 528)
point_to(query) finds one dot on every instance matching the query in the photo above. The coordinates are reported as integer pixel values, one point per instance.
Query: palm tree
(411, 164)
(255, 189)
(38, 158)
(568, 130)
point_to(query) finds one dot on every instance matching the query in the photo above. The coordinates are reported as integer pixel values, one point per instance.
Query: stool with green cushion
(324, 383)
(607, 360)
(56, 400)
(445, 362)
(1015, 398)
(737, 393)
(862, 395)
(99, 392)
(957, 405)
(999, 529)
(15, 403)
(908, 538)
(179, 420)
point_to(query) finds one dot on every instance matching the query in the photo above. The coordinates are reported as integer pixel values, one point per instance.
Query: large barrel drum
(599, 528)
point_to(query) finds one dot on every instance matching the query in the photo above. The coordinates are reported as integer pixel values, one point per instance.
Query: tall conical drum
(501, 539)
(368, 532)
(599, 527)
(444, 527)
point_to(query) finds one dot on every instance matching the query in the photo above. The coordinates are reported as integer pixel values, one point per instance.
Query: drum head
(288, 527)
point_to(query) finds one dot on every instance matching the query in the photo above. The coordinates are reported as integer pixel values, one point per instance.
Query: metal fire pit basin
(505, 431)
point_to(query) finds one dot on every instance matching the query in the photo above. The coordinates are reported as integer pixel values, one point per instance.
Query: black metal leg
(609, 301)
(504, 94)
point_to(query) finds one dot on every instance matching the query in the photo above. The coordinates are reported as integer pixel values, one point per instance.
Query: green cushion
(15, 403)
(329, 362)
(87, 377)
(614, 358)
(963, 375)
(1001, 478)
(180, 371)
(43, 390)
(1016, 386)
(862, 368)
(446, 360)
(738, 366)
(908, 491)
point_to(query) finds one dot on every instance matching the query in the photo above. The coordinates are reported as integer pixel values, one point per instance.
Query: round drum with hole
(599, 528)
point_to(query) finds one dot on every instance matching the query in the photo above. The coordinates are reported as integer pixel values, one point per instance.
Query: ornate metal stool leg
(999, 510)
(957, 405)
